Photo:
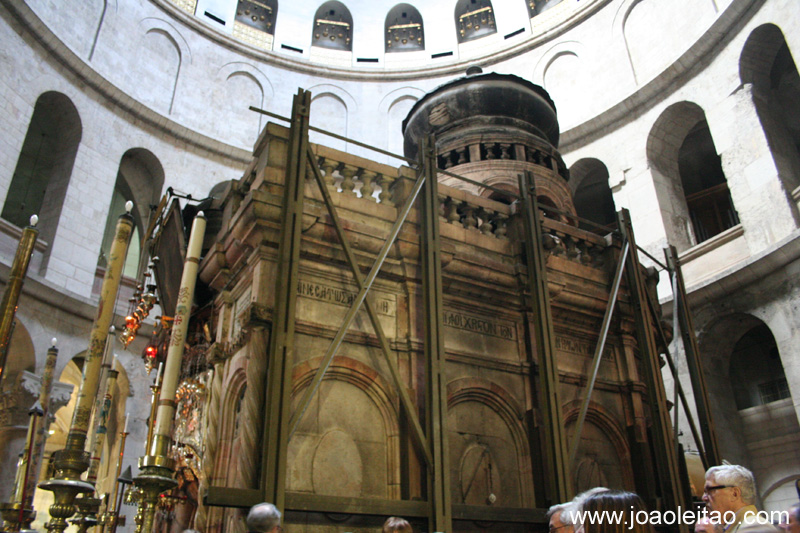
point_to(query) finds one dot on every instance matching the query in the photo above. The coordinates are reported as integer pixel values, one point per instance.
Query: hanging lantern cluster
(332, 33)
(479, 21)
(259, 15)
(140, 305)
(404, 33)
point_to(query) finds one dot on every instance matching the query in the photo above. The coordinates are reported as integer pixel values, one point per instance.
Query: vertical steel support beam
(558, 476)
(440, 519)
(693, 363)
(598, 353)
(280, 355)
(665, 455)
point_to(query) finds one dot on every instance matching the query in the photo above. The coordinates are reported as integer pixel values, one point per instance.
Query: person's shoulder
(754, 521)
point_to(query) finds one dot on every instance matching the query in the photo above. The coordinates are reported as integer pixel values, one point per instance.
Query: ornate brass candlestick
(19, 513)
(111, 517)
(86, 516)
(157, 467)
(15, 513)
(8, 308)
(73, 460)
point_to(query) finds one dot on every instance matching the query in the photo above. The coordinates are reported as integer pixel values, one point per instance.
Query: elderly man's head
(561, 519)
(729, 488)
(264, 518)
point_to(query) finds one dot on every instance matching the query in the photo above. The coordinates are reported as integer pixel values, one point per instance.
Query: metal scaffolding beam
(436, 398)
(280, 354)
(555, 442)
(693, 363)
(670, 491)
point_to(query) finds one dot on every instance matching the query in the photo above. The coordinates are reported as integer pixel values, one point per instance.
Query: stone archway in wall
(490, 459)
(44, 168)
(348, 441)
(591, 194)
(14, 405)
(71, 374)
(603, 458)
(692, 189)
(768, 65)
(752, 409)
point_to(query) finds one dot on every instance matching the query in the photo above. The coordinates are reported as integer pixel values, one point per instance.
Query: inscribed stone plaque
(481, 335)
(583, 348)
(327, 302)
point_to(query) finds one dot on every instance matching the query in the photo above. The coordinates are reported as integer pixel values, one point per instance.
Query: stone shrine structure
(354, 440)
(684, 112)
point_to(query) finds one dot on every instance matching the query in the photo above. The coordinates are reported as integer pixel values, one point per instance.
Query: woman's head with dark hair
(614, 511)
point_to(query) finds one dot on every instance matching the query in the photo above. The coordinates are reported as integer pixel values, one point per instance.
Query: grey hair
(263, 517)
(576, 505)
(557, 508)
(735, 476)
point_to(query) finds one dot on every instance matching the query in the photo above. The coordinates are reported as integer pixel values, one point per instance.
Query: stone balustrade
(355, 176)
(573, 243)
(488, 217)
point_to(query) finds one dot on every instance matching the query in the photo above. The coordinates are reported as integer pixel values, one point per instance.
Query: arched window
(593, 199)
(474, 19)
(333, 27)
(259, 14)
(756, 371)
(767, 63)
(403, 29)
(704, 184)
(537, 6)
(44, 167)
(692, 190)
(139, 179)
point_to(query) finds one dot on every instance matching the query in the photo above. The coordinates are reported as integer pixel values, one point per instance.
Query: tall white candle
(127, 417)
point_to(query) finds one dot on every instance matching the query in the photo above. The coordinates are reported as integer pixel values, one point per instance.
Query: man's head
(264, 518)
(729, 488)
(560, 518)
(395, 524)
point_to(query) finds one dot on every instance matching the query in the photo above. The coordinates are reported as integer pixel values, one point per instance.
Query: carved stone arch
(575, 48)
(163, 76)
(609, 428)
(618, 29)
(395, 107)
(149, 24)
(235, 381)
(356, 373)
(240, 116)
(333, 108)
(317, 434)
(508, 410)
(398, 95)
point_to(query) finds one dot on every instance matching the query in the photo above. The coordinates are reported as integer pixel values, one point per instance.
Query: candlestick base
(88, 508)
(11, 515)
(64, 493)
(155, 478)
